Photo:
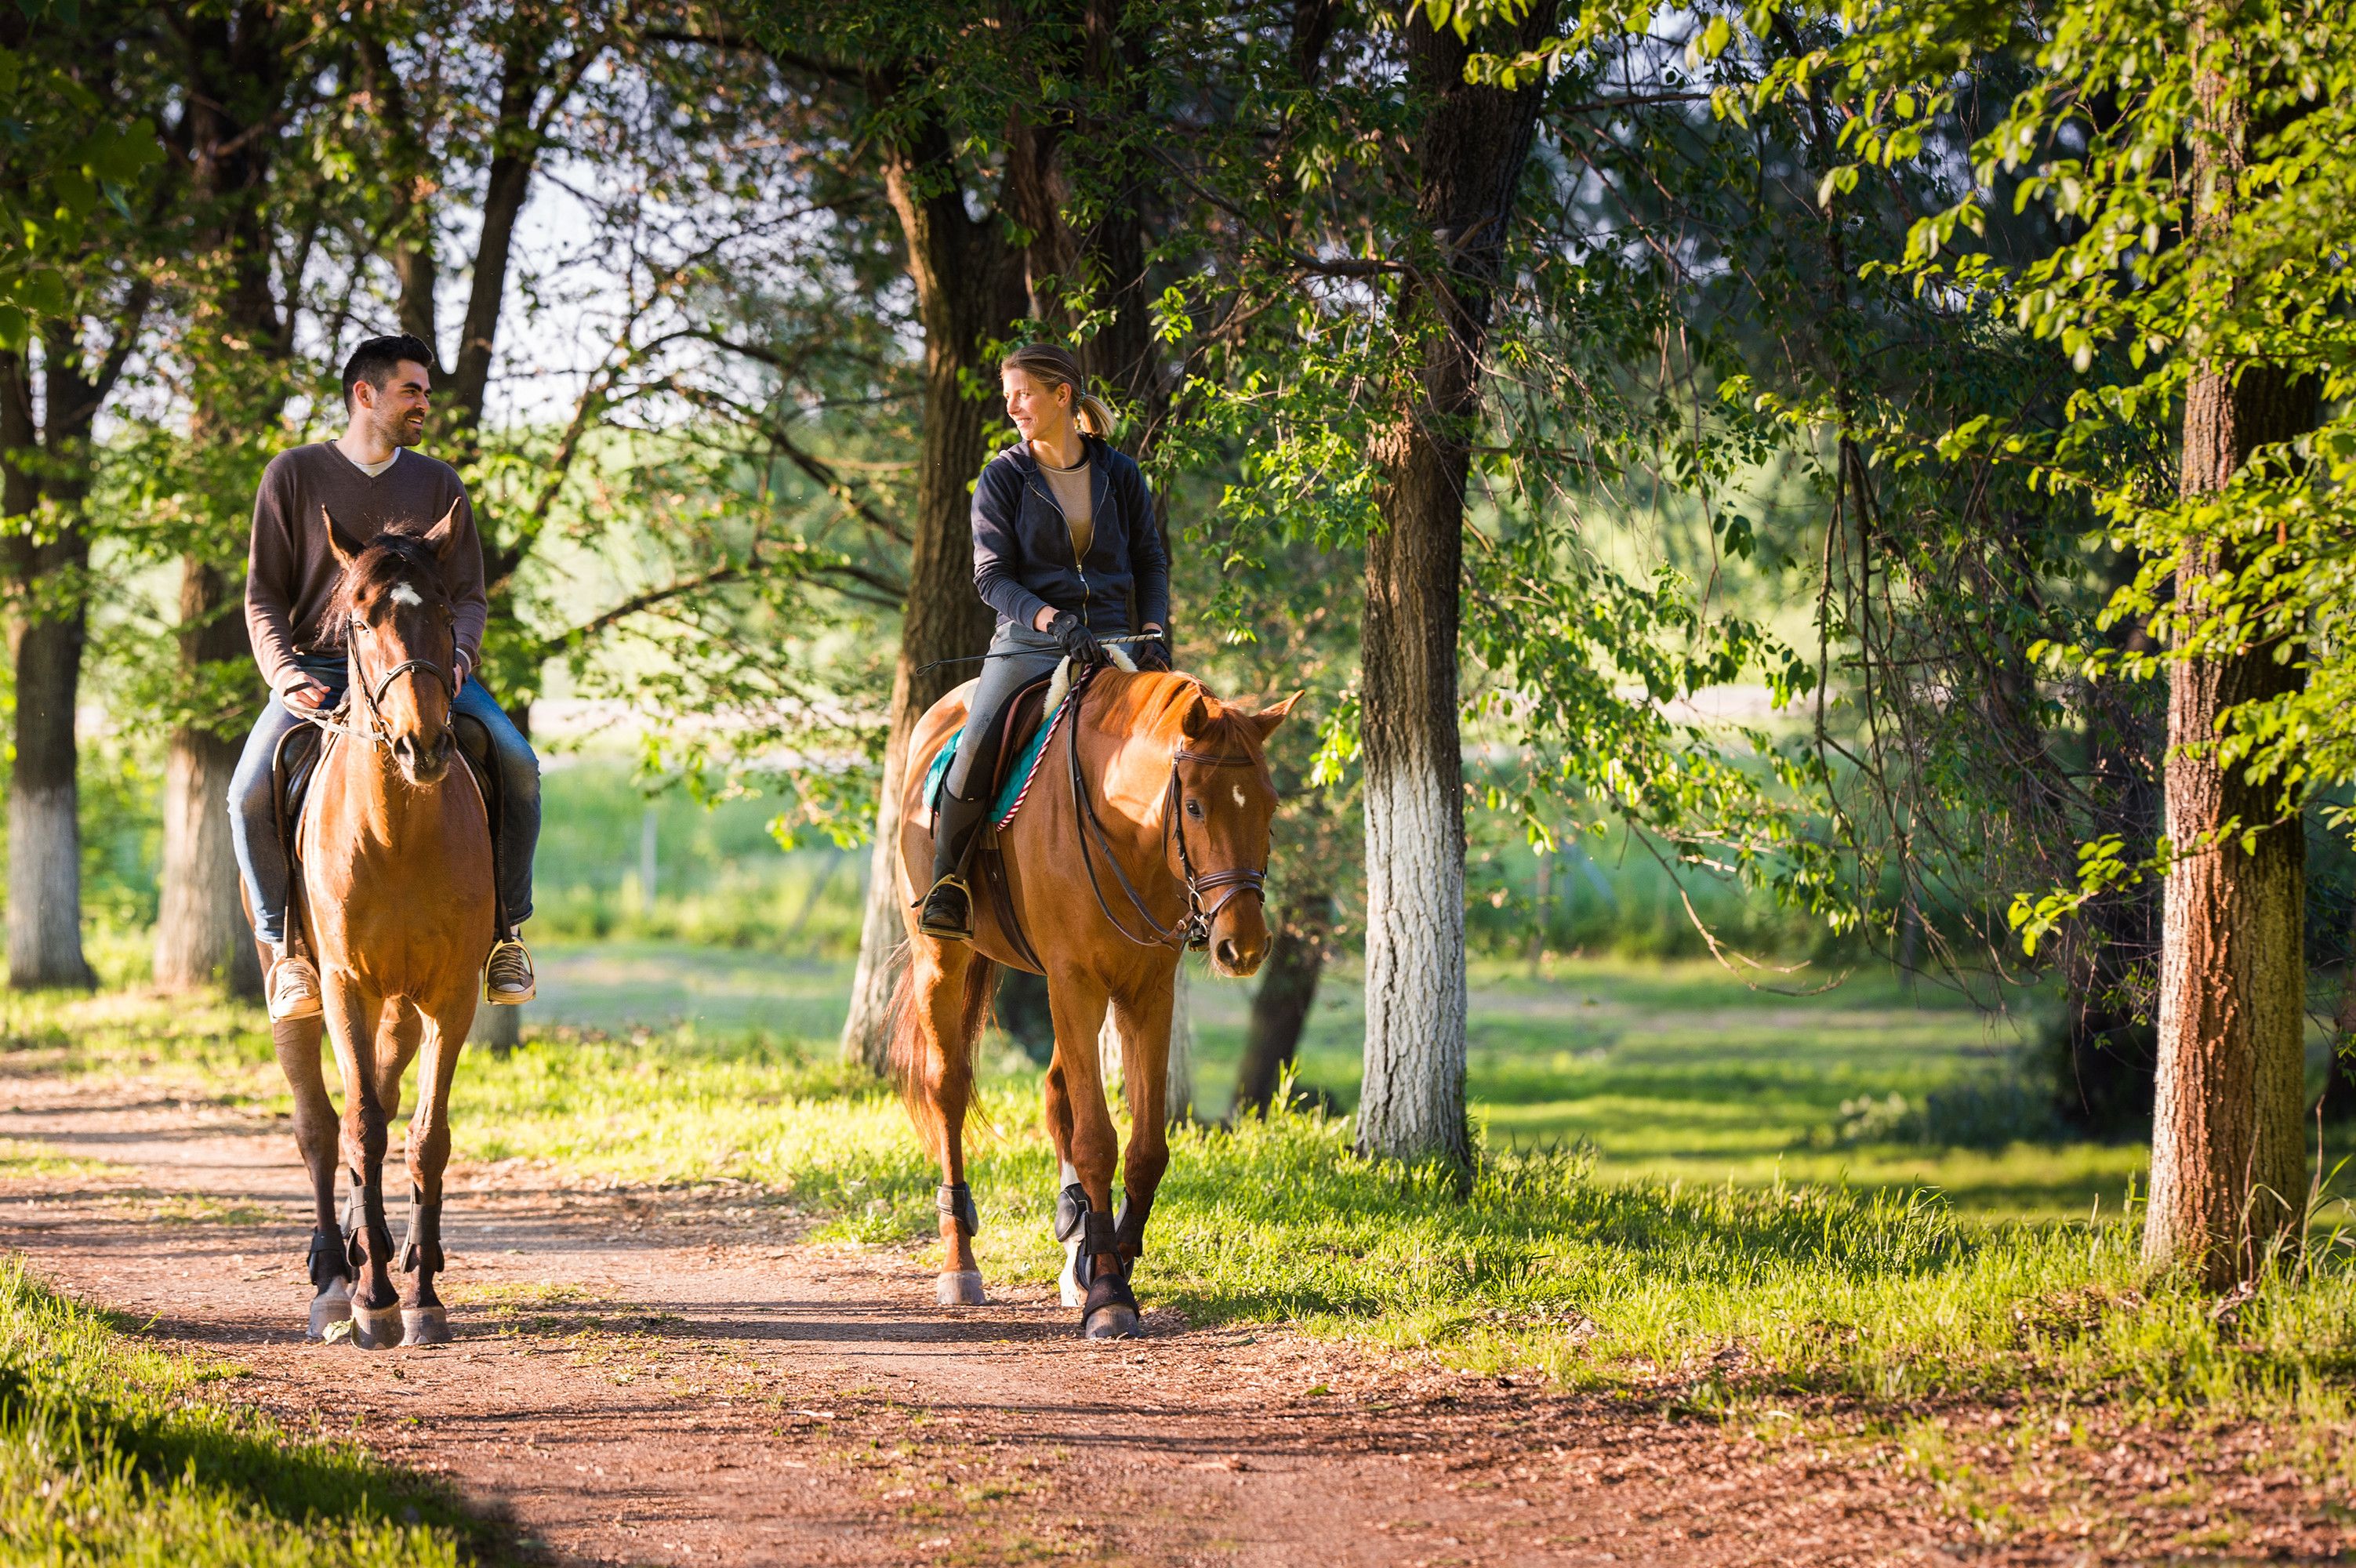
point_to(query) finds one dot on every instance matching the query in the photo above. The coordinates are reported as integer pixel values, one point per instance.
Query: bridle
(372, 698)
(1195, 926)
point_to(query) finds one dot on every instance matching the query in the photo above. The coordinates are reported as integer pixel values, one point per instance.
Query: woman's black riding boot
(948, 907)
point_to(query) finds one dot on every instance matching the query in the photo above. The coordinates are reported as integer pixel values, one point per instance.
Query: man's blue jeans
(253, 824)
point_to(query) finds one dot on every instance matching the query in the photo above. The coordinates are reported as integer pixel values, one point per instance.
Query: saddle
(296, 762)
(1022, 742)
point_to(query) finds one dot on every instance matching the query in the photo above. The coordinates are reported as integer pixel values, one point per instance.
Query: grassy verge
(113, 1453)
(1714, 1292)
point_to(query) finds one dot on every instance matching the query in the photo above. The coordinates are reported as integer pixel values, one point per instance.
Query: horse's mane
(1157, 706)
(390, 557)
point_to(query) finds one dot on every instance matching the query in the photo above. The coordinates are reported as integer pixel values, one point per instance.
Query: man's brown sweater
(291, 575)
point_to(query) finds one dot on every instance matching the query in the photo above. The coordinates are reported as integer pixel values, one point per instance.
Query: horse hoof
(1114, 1322)
(375, 1327)
(329, 1307)
(961, 1289)
(425, 1325)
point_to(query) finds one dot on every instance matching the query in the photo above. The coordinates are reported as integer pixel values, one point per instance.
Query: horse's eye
(1194, 809)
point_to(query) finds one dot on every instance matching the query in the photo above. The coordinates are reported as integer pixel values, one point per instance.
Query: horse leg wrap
(955, 1201)
(355, 1225)
(1101, 1235)
(1071, 1211)
(326, 1263)
(1129, 1228)
(424, 1243)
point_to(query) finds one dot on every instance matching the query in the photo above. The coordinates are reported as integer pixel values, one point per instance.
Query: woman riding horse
(1064, 539)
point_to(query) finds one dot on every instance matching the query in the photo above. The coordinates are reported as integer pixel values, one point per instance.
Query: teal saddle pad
(1018, 777)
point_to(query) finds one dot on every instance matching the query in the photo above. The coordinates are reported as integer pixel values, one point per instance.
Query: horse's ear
(444, 535)
(1267, 719)
(345, 548)
(1197, 717)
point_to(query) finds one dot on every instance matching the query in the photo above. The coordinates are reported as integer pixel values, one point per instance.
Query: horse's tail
(916, 1075)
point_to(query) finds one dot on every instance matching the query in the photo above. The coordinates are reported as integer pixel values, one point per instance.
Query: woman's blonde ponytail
(1095, 418)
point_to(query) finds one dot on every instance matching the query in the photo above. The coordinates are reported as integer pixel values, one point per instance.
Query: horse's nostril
(1226, 953)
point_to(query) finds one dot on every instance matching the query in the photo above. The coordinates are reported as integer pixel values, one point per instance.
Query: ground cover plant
(111, 1452)
(1717, 1293)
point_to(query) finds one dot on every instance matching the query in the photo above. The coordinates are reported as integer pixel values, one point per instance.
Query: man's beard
(404, 431)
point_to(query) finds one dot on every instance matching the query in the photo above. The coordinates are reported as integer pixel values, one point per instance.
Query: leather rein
(1194, 926)
(372, 699)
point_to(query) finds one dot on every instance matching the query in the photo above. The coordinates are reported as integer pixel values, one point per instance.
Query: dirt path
(637, 1382)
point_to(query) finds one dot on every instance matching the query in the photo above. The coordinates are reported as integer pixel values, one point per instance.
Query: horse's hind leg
(424, 1320)
(949, 990)
(1107, 1309)
(296, 1041)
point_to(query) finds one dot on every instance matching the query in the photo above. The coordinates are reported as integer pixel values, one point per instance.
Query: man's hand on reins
(305, 696)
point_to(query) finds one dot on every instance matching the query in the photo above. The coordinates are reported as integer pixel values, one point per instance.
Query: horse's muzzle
(425, 764)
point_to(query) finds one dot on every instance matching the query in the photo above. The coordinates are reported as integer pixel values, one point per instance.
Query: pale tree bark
(45, 623)
(2227, 1152)
(969, 290)
(1469, 157)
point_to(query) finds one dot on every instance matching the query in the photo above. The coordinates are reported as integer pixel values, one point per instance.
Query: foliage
(111, 1452)
(2177, 278)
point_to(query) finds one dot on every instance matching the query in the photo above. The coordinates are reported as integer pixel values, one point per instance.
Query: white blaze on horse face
(1239, 794)
(402, 593)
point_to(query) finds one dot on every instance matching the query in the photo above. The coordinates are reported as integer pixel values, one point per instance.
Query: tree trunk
(969, 290)
(1279, 1006)
(45, 624)
(1471, 152)
(202, 934)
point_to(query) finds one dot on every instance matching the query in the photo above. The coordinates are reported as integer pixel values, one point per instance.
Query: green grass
(113, 1453)
(1717, 1290)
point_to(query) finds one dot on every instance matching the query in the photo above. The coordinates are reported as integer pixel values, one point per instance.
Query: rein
(1195, 926)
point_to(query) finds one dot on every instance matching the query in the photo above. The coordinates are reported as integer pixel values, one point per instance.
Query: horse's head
(1224, 799)
(392, 609)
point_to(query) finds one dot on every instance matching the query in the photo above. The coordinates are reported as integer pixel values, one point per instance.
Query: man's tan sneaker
(294, 989)
(507, 979)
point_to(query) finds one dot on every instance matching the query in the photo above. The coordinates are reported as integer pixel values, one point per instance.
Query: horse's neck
(383, 810)
(1133, 826)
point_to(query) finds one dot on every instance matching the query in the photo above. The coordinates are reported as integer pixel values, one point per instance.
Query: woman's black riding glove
(1073, 636)
(1153, 654)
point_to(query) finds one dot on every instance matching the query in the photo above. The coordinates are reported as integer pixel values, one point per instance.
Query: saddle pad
(1018, 777)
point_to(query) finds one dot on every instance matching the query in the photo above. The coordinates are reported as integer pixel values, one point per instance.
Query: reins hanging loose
(1194, 927)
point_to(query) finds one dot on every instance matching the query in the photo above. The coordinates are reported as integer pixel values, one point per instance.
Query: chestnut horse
(396, 904)
(1146, 821)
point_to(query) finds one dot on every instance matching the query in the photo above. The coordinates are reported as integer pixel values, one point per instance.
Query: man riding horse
(1064, 538)
(369, 482)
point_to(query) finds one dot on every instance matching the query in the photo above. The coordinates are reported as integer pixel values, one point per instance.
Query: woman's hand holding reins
(1153, 654)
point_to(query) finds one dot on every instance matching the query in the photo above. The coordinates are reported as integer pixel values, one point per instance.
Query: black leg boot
(948, 905)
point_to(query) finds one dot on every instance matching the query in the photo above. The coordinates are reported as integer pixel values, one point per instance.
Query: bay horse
(396, 902)
(1145, 823)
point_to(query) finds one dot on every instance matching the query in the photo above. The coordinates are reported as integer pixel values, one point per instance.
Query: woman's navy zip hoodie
(1022, 557)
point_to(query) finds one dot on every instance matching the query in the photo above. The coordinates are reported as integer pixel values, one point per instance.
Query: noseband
(1195, 926)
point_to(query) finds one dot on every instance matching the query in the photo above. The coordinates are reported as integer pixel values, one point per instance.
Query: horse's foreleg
(942, 1081)
(1144, 1024)
(296, 1042)
(424, 1320)
(352, 1021)
(1093, 1270)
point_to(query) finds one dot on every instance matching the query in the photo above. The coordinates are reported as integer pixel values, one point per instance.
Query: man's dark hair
(375, 360)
